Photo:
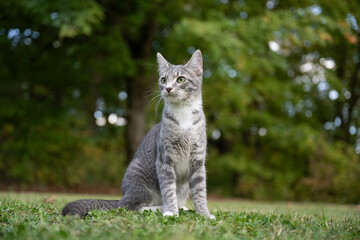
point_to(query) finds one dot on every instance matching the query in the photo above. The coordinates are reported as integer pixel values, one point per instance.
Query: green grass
(27, 216)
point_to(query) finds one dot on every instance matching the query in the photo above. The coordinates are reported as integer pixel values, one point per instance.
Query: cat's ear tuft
(162, 63)
(196, 63)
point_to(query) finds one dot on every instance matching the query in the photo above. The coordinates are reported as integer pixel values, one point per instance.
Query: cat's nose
(168, 89)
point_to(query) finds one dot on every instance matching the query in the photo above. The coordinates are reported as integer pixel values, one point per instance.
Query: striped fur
(170, 162)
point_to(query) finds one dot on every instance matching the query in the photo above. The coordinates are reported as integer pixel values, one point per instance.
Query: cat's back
(147, 148)
(142, 168)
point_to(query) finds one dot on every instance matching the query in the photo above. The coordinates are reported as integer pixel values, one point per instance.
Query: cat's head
(180, 83)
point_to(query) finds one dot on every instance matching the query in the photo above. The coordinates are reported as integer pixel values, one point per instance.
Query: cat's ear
(162, 63)
(196, 63)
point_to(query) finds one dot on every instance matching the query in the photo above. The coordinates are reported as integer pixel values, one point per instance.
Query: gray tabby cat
(170, 162)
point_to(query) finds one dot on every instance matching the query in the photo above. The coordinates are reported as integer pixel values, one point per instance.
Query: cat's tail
(83, 206)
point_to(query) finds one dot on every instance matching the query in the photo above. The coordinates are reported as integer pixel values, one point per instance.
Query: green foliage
(269, 70)
(30, 218)
(71, 18)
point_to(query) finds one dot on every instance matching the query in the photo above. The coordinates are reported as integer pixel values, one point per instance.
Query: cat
(170, 162)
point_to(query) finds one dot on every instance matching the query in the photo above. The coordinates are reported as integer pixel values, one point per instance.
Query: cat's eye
(181, 80)
(163, 80)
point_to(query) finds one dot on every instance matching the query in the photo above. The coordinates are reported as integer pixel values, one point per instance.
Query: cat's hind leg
(134, 200)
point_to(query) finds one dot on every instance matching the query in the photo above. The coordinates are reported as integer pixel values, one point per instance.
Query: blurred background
(281, 92)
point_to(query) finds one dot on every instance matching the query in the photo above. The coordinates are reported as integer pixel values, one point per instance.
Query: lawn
(37, 216)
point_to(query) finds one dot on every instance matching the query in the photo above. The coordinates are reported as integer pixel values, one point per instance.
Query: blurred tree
(281, 90)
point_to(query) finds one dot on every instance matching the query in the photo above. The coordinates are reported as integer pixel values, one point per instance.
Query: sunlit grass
(37, 216)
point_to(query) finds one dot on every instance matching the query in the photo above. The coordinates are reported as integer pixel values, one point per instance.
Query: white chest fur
(184, 114)
(184, 117)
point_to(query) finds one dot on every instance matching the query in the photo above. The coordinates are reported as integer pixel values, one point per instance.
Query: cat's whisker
(151, 93)
(152, 90)
(155, 95)
(154, 98)
(157, 104)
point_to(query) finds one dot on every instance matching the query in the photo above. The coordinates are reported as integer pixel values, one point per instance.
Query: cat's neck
(183, 114)
(195, 105)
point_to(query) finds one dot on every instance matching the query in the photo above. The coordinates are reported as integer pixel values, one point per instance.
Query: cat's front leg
(197, 184)
(167, 179)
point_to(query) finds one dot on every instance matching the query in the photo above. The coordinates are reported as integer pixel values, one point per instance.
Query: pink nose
(168, 89)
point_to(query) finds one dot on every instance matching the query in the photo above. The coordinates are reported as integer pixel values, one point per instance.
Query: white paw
(165, 214)
(212, 217)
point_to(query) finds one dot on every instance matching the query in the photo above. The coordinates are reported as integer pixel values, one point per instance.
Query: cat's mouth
(171, 97)
(170, 94)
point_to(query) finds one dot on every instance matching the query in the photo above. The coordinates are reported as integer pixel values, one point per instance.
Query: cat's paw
(212, 217)
(167, 214)
(208, 215)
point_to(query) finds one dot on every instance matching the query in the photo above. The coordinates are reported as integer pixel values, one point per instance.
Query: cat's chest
(183, 118)
(181, 130)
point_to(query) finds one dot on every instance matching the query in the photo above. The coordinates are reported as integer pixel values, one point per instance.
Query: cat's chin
(172, 99)
(170, 95)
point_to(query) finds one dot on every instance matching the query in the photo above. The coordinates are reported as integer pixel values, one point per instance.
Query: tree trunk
(136, 116)
(139, 86)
